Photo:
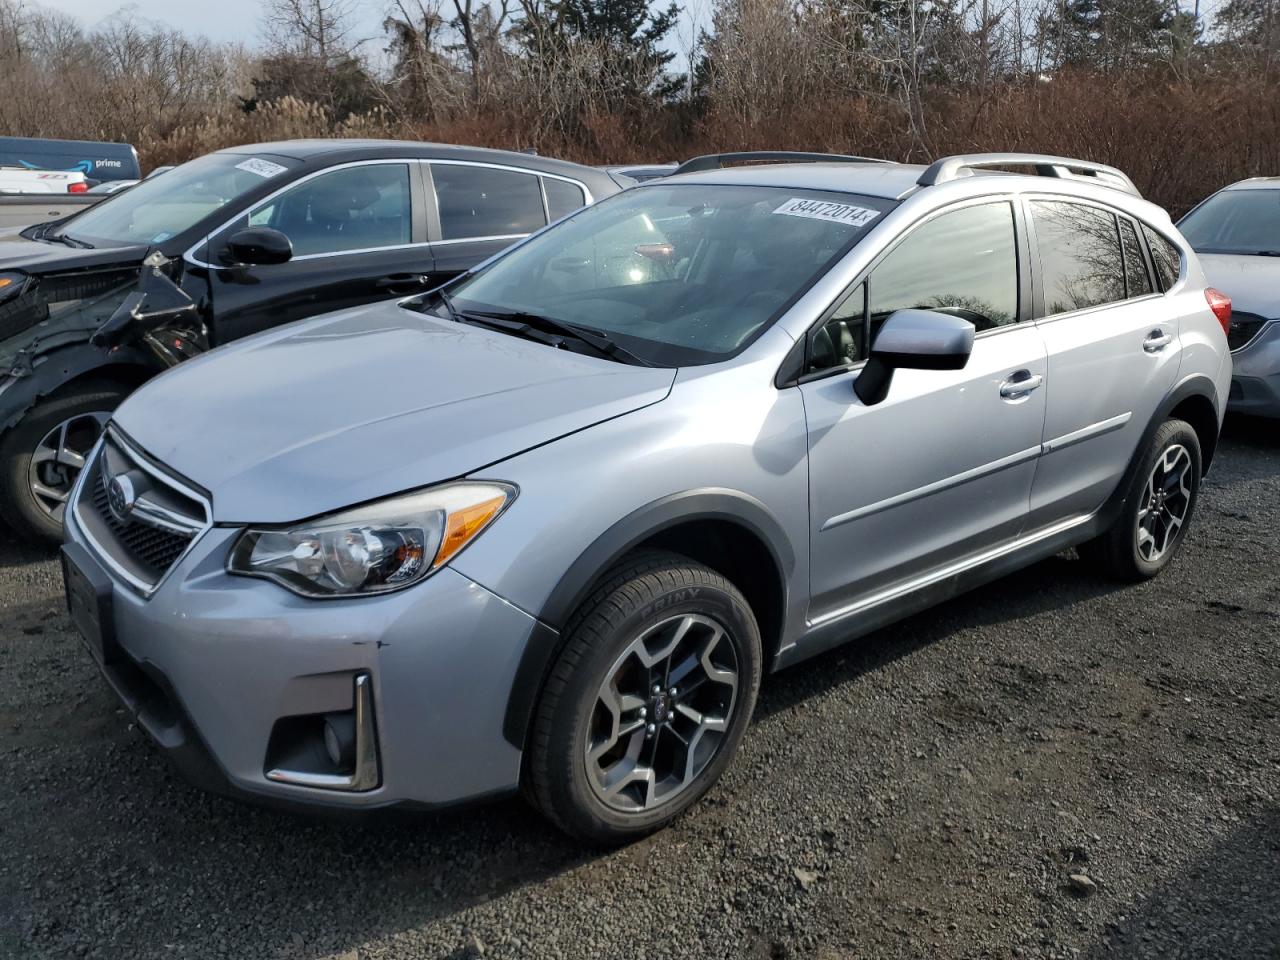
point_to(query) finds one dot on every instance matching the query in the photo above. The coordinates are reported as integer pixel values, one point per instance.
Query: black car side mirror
(913, 340)
(259, 246)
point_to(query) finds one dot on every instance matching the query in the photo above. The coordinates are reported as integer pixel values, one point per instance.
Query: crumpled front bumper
(212, 662)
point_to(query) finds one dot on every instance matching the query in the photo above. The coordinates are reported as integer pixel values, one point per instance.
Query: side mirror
(259, 246)
(913, 340)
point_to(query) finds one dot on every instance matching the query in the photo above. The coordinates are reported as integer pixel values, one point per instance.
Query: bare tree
(319, 29)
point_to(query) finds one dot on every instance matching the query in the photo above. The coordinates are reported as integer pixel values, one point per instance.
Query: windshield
(157, 209)
(1235, 221)
(677, 274)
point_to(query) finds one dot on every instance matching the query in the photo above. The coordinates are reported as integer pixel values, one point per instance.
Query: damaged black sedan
(227, 245)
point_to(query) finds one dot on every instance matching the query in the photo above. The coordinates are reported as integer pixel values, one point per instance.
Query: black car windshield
(677, 274)
(1235, 221)
(164, 206)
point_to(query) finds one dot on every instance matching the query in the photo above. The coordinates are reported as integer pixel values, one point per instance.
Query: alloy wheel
(662, 712)
(1166, 499)
(58, 459)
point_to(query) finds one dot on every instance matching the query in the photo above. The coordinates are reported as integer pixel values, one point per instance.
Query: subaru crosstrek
(547, 528)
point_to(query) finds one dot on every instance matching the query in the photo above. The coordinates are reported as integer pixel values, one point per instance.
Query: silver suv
(548, 528)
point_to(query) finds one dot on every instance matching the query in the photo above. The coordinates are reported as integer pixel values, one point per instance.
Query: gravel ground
(930, 792)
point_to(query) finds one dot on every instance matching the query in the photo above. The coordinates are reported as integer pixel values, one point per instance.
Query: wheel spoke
(643, 750)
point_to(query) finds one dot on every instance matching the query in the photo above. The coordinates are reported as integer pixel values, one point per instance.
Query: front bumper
(211, 662)
(1255, 381)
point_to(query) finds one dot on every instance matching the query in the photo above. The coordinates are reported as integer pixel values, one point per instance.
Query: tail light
(78, 187)
(1220, 304)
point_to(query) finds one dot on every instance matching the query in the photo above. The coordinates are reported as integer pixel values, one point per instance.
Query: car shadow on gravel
(1054, 584)
(15, 553)
(1225, 904)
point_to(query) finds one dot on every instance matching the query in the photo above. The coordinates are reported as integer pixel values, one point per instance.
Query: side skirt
(902, 601)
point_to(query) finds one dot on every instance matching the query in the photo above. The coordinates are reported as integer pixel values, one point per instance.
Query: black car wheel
(42, 456)
(1158, 508)
(647, 702)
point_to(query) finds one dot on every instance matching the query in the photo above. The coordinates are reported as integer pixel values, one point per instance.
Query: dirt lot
(927, 794)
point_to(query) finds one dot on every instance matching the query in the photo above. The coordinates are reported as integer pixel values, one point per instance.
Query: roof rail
(952, 168)
(715, 161)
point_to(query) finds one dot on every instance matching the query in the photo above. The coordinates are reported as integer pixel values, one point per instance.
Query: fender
(1196, 385)
(713, 503)
(57, 367)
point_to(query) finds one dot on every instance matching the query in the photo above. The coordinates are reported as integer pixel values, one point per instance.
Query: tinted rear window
(1080, 258)
(1235, 221)
(486, 202)
(1166, 257)
(562, 197)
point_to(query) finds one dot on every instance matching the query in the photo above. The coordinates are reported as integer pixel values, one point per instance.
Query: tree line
(1183, 100)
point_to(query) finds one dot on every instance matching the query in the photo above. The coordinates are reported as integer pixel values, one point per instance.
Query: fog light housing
(348, 738)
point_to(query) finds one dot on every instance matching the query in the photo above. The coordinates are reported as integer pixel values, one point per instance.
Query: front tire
(647, 702)
(43, 454)
(1158, 508)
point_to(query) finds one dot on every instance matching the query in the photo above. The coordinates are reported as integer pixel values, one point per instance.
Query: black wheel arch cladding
(645, 523)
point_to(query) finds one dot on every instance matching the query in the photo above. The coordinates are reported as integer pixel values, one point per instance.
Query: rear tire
(1158, 508)
(29, 491)
(647, 702)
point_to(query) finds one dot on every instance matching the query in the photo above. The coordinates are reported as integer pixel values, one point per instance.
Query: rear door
(1113, 351)
(358, 233)
(478, 209)
(941, 470)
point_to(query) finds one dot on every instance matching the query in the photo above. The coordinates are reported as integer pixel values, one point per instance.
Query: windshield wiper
(598, 341)
(66, 240)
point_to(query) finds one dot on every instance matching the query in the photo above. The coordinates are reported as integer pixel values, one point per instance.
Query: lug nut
(657, 688)
(651, 729)
(672, 692)
(643, 713)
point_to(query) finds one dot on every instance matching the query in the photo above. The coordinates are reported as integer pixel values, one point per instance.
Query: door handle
(1020, 385)
(400, 281)
(1156, 341)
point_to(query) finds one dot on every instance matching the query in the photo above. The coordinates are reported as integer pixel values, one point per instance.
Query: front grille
(1244, 327)
(153, 522)
(155, 549)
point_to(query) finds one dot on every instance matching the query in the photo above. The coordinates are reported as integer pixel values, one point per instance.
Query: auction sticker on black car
(845, 213)
(263, 168)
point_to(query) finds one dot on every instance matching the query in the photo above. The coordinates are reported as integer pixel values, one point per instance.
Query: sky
(239, 20)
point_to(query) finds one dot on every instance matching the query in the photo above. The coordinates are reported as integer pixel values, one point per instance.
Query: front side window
(963, 262)
(677, 273)
(354, 208)
(1236, 221)
(1080, 257)
(486, 201)
(1166, 257)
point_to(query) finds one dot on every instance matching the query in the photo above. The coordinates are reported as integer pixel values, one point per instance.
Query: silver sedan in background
(1236, 232)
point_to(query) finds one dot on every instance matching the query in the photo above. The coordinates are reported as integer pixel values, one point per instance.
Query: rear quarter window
(1166, 257)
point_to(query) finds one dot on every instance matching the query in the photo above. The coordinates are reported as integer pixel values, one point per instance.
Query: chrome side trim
(1087, 433)
(505, 236)
(366, 774)
(1022, 456)
(897, 591)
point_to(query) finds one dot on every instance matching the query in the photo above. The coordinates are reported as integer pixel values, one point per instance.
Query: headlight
(11, 283)
(376, 548)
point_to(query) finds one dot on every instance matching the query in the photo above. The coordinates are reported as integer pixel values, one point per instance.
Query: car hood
(365, 403)
(1252, 283)
(36, 257)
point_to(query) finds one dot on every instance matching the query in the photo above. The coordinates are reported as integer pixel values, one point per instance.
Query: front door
(356, 238)
(1113, 353)
(941, 470)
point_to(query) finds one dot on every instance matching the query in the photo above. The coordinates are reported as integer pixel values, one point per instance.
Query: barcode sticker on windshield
(263, 168)
(844, 213)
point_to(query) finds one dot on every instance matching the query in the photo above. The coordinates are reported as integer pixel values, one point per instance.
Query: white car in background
(25, 180)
